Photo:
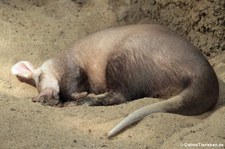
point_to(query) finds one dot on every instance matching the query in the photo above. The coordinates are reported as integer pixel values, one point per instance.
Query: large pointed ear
(25, 72)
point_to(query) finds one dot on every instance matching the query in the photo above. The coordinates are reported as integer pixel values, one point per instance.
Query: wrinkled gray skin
(127, 63)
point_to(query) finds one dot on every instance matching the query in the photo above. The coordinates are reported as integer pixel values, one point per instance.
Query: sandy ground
(37, 30)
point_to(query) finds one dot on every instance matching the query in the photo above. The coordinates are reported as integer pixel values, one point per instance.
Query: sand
(37, 30)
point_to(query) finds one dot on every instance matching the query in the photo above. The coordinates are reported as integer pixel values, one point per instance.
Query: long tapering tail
(163, 106)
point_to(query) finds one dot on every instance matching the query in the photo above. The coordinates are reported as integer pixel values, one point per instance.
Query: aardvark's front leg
(49, 97)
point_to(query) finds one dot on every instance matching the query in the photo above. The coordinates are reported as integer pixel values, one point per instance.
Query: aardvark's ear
(25, 72)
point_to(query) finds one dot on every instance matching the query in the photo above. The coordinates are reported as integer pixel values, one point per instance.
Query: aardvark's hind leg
(108, 98)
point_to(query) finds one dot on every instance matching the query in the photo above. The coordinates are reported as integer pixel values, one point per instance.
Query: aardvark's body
(126, 63)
